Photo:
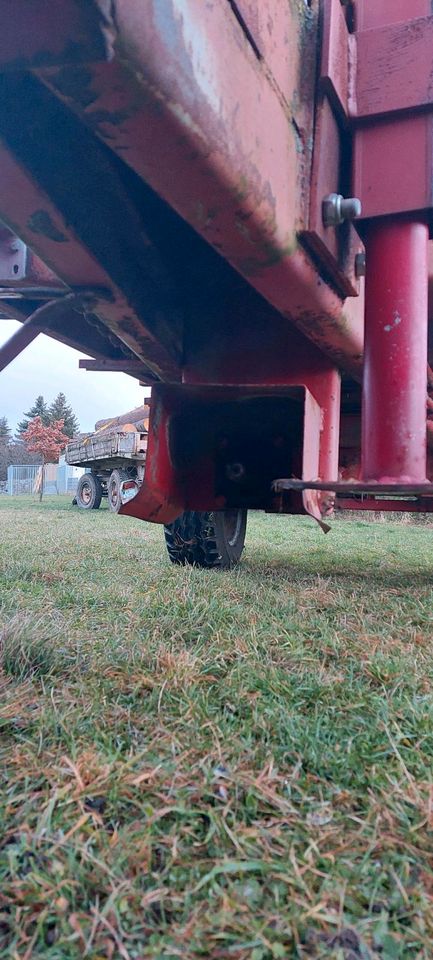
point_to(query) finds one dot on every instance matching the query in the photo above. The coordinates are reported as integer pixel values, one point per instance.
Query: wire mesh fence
(22, 478)
(27, 478)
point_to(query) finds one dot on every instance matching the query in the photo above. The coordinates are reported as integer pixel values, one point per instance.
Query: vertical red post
(330, 401)
(395, 366)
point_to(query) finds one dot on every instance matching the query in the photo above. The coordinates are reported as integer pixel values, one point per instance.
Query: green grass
(222, 765)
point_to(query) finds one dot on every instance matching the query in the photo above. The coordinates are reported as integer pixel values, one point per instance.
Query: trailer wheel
(113, 489)
(207, 539)
(89, 492)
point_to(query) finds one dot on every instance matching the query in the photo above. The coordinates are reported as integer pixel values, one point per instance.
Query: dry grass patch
(214, 765)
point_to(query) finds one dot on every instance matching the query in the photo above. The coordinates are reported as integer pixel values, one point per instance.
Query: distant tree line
(14, 449)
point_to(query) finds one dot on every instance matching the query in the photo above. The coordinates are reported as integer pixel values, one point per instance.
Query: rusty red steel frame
(171, 187)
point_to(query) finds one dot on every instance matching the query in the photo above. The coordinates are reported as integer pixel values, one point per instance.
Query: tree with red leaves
(47, 441)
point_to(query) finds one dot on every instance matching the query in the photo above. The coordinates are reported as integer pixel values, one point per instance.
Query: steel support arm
(187, 92)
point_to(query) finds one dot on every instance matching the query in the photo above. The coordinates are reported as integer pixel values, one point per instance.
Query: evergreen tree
(61, 410)
(39, 409)
(5, 433)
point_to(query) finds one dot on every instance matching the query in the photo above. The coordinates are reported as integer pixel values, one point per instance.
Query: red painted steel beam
(32, 215)
(18, 342)
(135, 368)
(94, 340)
(39, 322)
(21, 268)
(395, 363)
(394, 69)
(251, 350)
(392, 173)
(194, 432)
(186, 92)
(330, 432)
(403, 186)
(392, 158)
(42, 32)
(29, 212)
(387, 506)
(377, 13)
(335, 68)
(392, 170)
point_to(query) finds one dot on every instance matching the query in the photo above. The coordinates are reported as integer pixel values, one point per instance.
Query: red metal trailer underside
(162, 175)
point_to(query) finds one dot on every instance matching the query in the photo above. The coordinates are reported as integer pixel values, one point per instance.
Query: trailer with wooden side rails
(232, 202)
(113, 457)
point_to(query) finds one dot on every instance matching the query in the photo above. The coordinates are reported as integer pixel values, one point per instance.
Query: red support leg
(330, 401)
(395, 365)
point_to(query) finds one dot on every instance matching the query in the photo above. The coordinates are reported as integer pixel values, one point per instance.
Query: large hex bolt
(336, 209)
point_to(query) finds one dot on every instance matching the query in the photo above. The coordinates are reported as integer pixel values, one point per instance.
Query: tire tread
(193, 540)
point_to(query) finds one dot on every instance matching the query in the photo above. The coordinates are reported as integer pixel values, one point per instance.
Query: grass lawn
(208, 764)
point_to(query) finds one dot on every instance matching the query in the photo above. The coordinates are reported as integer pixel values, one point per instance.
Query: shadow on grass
(61, 502)
(305, 573)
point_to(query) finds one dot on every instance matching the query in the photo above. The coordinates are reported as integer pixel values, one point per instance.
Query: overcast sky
(48, 367)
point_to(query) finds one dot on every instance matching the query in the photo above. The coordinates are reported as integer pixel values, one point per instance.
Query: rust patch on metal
(41, 222)
(76, 85)
(324, 332)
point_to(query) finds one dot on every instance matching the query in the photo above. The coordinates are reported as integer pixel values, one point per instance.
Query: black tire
(207, 539)
(113, 489)
(89, 492)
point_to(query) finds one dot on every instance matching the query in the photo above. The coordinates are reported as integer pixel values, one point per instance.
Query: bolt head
(336, 209)
(351, 208)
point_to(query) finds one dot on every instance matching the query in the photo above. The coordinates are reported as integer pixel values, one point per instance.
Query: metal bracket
(22, 270)
(381, 73)
(393, 69)
(336, 246)
(336, 67)
(375, 102)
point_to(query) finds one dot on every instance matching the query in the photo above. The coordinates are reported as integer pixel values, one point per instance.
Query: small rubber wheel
(89, 492)
(113, 489)
(210, 540)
